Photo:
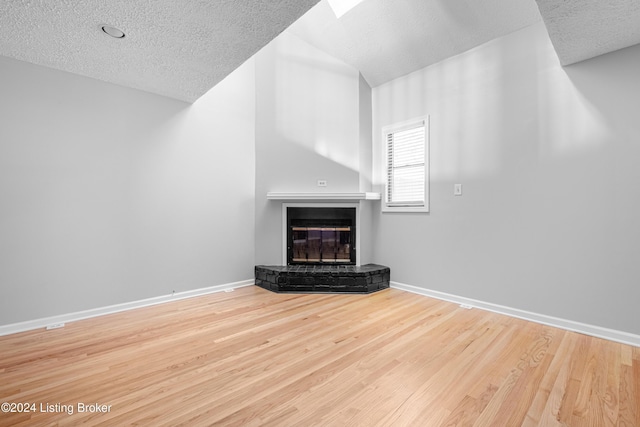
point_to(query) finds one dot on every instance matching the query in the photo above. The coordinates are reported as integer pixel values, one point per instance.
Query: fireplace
(319, 253)
(321, 236)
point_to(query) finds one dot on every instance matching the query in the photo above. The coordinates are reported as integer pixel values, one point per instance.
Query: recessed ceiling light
(112, 31)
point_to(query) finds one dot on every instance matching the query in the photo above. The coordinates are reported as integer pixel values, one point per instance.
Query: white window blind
(406, 166)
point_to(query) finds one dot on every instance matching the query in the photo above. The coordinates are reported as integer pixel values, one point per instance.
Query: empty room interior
(320, 212)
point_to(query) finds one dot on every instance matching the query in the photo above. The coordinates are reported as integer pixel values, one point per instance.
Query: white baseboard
(570, 325)
(101, 311)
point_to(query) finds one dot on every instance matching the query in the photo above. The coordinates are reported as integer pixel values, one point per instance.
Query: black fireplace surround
(321, 256)
(323, 278)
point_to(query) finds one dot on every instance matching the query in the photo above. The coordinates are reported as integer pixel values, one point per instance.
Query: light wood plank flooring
(255, 358)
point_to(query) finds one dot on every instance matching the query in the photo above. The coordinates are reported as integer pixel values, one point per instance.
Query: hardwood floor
(255, 358)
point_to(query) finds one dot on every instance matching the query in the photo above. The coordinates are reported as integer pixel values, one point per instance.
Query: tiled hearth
(323, 278)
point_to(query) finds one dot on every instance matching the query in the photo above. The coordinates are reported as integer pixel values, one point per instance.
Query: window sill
(405, 209)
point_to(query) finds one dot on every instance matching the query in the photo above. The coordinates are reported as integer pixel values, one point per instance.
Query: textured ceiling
(583, 29)
(181, 49)
(385, 39)
(176, 48)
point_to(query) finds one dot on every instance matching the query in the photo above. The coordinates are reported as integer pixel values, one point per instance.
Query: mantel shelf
(327, 197)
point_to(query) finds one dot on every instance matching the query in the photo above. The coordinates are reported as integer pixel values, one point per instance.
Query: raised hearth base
(323, 278)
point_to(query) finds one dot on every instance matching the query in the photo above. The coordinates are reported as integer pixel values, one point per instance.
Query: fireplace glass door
(321, 244)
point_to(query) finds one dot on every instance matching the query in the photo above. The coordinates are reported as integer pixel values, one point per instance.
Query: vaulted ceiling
(176, 48)
(181, 49)
(387, 39)
(583, 29)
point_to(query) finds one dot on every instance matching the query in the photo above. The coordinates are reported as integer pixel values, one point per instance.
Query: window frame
(398, 127)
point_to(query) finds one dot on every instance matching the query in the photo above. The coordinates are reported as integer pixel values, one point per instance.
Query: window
(406, 147)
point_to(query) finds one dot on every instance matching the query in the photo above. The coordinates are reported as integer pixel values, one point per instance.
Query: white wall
(548, 158)
(307, 128)
(110, 195)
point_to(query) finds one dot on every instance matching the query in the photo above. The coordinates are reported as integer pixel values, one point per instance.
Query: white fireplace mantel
(324, 197)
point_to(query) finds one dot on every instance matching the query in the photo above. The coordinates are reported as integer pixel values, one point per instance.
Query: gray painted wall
(367, 208)
(111, 195)
(548, 158)
(307, 128)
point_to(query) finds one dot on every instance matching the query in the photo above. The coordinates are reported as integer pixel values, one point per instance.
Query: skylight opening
(340, 7)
